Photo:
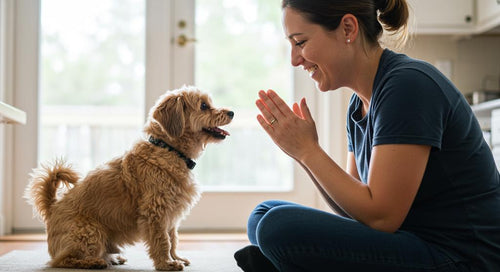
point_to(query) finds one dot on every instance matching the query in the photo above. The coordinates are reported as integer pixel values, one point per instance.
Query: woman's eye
(299, 43)
(204, 106)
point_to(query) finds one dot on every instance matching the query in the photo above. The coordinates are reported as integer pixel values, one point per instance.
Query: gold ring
(272, 122)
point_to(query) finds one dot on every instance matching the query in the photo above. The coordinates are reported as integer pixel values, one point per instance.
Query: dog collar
(160, 143)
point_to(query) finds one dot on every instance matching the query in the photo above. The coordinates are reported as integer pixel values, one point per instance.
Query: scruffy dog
(142, 195)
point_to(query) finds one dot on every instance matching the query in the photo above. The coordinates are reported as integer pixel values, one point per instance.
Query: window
(91, 79)
(241, 49)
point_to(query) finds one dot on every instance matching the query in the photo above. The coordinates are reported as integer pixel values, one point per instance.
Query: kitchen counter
(11, 115)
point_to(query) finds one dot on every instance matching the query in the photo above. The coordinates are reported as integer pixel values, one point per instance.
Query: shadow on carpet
(201, 261)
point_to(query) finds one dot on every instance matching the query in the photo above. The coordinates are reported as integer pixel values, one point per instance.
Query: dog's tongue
(221, 131)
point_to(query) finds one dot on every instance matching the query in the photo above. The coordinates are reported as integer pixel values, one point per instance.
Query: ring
(272, 121)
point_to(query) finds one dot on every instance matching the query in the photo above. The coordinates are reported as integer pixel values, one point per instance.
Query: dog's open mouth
(216, 132)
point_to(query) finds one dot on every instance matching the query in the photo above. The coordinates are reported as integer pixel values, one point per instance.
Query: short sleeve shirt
(457, 206)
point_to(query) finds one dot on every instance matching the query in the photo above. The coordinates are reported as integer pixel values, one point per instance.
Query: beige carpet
(201, 261)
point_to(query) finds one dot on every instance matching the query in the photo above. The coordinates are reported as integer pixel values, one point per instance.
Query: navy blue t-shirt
(457, 206)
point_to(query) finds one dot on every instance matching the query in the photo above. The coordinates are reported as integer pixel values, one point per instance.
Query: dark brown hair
(371, 15)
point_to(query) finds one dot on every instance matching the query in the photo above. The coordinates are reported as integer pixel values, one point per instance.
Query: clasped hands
(293, 130)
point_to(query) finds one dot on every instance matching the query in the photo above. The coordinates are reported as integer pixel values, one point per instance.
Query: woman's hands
(293, 130)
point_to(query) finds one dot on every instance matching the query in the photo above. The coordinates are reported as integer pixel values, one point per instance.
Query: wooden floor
(187, 241)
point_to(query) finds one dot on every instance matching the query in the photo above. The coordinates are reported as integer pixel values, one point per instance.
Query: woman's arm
(395, 172)
(325, 195)
(395, 175)
(351, 170)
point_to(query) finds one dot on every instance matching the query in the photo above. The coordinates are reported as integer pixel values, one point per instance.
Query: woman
(421, 190)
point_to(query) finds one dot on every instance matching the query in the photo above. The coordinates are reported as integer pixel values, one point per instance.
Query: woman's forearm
(336, 208)
(350, 195)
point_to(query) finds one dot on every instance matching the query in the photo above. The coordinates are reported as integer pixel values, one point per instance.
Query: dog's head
(188, 113)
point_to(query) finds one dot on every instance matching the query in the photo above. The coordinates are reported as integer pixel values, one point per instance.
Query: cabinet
(488, 14)
(442, 16)
(495, 136)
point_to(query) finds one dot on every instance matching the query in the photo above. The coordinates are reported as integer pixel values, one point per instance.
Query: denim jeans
(299, 238)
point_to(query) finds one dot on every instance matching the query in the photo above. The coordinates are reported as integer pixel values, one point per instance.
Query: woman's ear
(350, 27)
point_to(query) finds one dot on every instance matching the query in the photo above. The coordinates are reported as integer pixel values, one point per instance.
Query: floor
(187, 241)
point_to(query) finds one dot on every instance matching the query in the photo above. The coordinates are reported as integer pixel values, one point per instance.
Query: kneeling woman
(421, 190)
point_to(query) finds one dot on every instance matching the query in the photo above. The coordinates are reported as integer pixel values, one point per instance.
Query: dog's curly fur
(142, 195)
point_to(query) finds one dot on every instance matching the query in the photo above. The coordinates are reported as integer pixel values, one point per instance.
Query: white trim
(26, 71)
(6, 94)
(158, 50)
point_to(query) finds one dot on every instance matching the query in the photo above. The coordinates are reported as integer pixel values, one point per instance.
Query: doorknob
(182, 40)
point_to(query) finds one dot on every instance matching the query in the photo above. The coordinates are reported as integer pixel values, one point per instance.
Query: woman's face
(317, 50)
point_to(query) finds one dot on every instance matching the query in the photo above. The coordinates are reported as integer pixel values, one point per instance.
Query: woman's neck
(366, 67)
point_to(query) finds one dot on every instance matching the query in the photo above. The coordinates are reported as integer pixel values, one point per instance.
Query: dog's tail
(42, 190)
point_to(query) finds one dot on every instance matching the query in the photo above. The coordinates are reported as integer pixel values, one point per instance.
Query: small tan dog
(142, 195)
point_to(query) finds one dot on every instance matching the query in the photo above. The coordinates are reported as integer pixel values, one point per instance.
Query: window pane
(240, 50)
(92, 79)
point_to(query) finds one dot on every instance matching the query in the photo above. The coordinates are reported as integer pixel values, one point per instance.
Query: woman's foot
(251, 259)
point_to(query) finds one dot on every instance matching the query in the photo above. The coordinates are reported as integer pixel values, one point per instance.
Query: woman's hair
(393, 14)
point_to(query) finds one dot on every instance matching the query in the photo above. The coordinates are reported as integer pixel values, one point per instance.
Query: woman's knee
(258, 213)
(276, 225)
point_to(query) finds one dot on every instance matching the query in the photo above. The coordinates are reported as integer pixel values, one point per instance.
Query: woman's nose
(296, 58)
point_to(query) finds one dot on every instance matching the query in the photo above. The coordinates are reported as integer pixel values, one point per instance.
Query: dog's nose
(230, 114)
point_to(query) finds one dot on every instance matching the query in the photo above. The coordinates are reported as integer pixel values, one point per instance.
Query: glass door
(80, 75)
(91, 104)
(233, 49)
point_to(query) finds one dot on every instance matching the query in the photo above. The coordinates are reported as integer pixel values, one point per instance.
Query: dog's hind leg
(85, 263)
(84, 248)
(174, 241)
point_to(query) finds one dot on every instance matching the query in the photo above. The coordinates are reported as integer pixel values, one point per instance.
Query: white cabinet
(460, 17)
(442, 16)
(488, 14)
(495, 135)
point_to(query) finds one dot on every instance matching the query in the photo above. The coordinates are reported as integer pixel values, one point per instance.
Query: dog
(142, 195)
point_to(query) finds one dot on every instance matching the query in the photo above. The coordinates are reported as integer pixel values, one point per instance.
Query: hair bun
(380, 4)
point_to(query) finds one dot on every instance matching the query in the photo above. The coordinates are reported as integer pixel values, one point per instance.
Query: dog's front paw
(184, 260)
(171, 266)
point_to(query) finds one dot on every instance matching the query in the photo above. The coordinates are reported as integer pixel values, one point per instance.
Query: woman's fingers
(279, 102)
(304, 109)
(267, 116)
(296, 110)
(276, 106)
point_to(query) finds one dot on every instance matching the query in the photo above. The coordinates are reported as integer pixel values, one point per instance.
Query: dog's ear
(170, 115)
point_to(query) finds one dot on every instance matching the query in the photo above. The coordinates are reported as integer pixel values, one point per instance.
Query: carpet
(201, 261)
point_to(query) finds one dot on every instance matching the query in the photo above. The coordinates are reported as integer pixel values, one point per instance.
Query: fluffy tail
(42, 190)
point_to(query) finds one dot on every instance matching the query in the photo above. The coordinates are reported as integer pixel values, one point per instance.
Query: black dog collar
(160, 143)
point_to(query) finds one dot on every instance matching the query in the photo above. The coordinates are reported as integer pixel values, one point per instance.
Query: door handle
(182, 40)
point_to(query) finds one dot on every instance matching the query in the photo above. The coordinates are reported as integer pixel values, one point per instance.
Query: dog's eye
(204, 106)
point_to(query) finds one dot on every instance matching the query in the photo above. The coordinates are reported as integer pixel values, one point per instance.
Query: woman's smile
(311, 70)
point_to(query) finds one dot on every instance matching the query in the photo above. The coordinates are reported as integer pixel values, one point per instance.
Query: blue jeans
(298, 238)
